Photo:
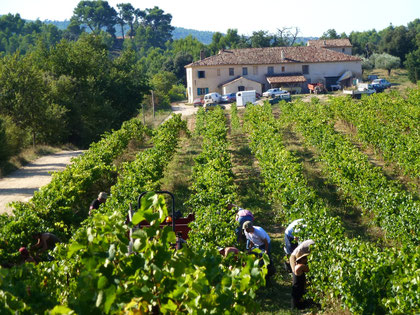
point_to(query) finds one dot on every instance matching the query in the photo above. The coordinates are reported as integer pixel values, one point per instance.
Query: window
(283, 69)
(218, 72)
(231, 71)
(245, 71)
(343, 49)
(241, 88)
(202, 91)
(201, 74)
(305, 69)
(270, 70)
(255, 70)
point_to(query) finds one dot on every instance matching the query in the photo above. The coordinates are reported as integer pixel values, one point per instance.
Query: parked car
(212, 98)
(372, 77)
(273, 92)
(212, 106)
(229, 98)
(198, 102)
(382, 82)
(378, 88)
(282, 97)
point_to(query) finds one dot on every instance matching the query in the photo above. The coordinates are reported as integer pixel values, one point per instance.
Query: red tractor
(179, 223)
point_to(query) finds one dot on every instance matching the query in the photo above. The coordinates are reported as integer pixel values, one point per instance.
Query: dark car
(198, 102)
(278, 98)
(229, 98)
(378, 88)
(212, 106)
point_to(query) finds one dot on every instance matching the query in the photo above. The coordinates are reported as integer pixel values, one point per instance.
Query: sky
(312, 17)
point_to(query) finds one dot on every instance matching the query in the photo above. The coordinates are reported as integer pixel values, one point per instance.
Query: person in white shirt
(257, 237)
(290, 239)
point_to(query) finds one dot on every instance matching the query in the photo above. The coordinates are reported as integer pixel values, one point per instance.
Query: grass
(276, 296)
(178, 173)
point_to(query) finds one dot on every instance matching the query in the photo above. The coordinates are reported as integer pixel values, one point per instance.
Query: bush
(177, 93)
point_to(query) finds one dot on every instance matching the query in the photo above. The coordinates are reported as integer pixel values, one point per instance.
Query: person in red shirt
(24, 253)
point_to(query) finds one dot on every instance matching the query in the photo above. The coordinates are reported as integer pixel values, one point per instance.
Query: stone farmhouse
(290, 68)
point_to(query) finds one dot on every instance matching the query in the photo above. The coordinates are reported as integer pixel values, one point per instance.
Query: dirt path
(21, 184)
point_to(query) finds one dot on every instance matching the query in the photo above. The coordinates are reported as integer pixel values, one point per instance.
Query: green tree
(388, 62)
(260, 39)
(366, 64)
(24, 96)
(4, 146)
(154, 30)
(217, 42)
(127, 15)
(396, 41)
(330, 34)
(232, 38)
(188, 45)
(96, 15)
(364, 43)
(412, 63)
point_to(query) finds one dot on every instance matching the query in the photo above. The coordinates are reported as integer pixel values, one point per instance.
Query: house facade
(262, 68)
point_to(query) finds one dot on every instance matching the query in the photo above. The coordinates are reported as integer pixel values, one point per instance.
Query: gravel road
(21, 184)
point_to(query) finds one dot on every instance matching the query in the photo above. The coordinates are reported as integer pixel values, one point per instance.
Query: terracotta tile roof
(273, 55)
(287, 79)
(330, 43)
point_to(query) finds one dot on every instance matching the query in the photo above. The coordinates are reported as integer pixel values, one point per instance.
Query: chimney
(221, 51)
(325, 42)
(282, 55)
(202, 54)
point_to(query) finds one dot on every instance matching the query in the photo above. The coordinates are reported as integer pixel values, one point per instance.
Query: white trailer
(244, 97)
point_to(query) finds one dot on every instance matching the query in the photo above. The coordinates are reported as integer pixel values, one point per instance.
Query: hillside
(203, 36)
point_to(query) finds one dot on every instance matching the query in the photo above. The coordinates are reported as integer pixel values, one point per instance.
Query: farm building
(259, 69)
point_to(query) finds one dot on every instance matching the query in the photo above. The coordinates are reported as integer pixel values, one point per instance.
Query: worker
(179, 241)
(242, 215)
(299, 265)
(257, 237)
(291, 240)
(98, 201)
(228, 250)
(45, 241)
(24, 253)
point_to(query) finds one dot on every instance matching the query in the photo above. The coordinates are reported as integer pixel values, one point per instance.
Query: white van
(244, 97)
(212, 98)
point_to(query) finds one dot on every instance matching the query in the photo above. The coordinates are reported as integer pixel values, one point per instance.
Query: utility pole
(144, 117)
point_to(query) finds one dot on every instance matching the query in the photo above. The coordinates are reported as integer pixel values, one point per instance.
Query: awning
(287, 79)
(345, 75)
